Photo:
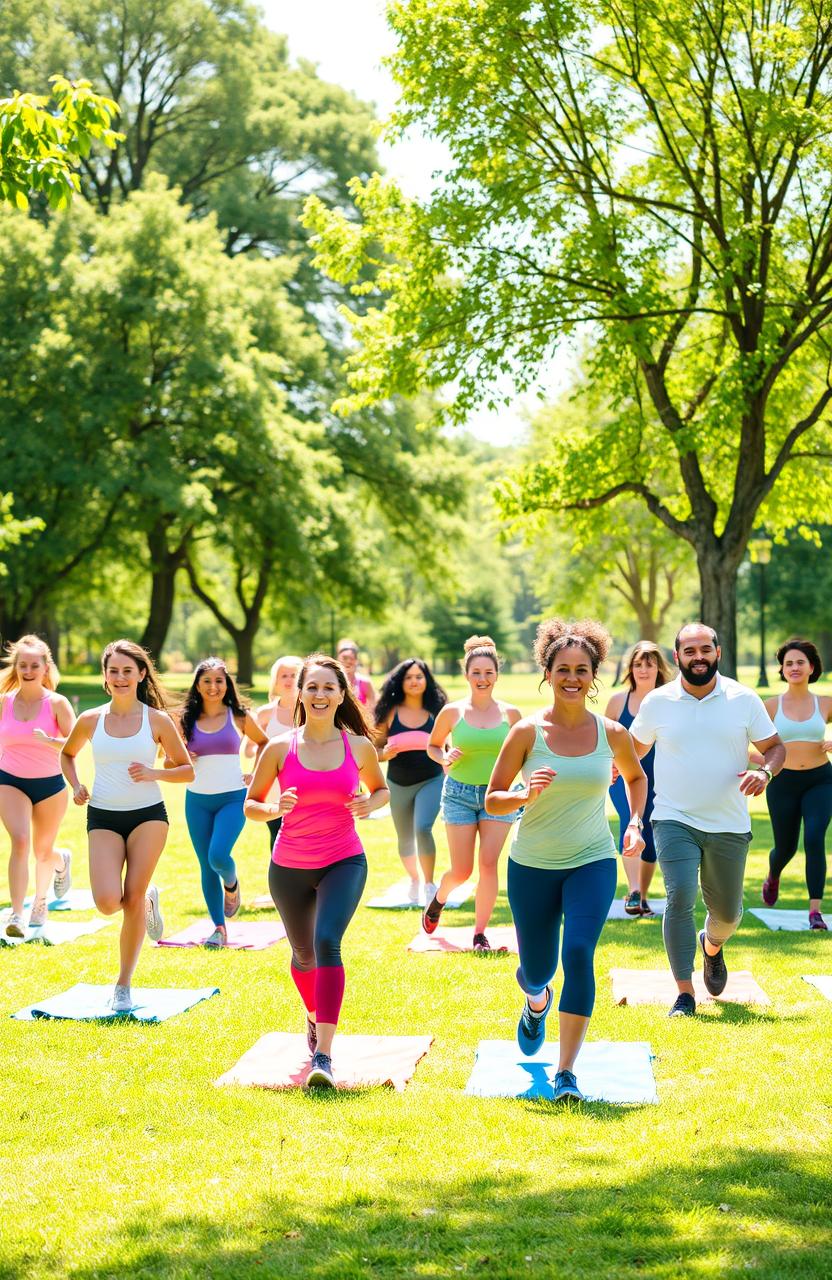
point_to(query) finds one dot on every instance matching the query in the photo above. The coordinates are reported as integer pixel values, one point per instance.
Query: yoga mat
(54, 932)
(788, 921)
(657, 986)
(86, 1003)
(606, 1071)
(461, 938)
(822, 981)
(395, 898)
(262, 902)
(617, 912)
(75, 900)
(281, 1061)
(243, 935)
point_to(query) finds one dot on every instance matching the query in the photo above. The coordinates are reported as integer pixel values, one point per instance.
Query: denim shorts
(463, 805)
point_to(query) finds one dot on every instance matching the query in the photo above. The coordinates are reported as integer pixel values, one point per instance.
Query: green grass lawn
(119, 1158)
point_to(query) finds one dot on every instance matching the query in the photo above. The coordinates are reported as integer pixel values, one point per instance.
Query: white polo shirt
(701, 749)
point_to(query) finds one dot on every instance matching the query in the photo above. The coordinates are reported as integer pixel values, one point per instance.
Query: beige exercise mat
(280, 1060)
(502, 937)
(657, 986)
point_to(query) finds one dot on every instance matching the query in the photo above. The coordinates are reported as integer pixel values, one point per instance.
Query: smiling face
(697, 655)
(570, 674)
(481, 675)
(122, 675)
(414, 683)
(212, 684)
(796, 667)
(644, 669)
(348, 657)
(30, 666)
(321, 694)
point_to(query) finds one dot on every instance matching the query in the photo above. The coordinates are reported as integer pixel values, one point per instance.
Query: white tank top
(113, 787)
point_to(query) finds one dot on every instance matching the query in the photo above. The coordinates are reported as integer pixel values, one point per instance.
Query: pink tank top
(361, 689)
(320, 829)
(20, 751)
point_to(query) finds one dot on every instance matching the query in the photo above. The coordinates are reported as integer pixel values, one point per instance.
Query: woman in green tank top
(476, 727)
(562, 866)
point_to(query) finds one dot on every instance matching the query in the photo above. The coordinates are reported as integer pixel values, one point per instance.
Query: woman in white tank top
(277, 717)
(127, 822)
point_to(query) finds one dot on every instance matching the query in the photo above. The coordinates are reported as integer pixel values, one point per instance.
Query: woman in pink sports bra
(34, 724)
(361, 686)
(318, 868)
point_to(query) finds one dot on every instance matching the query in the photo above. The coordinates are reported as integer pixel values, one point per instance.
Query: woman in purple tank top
(318, 867)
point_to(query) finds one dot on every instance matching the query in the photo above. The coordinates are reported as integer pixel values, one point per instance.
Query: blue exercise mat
(606, 1071)
(86, 1003)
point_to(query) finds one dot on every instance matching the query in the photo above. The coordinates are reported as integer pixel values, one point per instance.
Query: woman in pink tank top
(318, 868)
(362, 686)
(34, 724)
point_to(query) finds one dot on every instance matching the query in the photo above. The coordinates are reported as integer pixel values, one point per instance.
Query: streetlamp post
(760, 551)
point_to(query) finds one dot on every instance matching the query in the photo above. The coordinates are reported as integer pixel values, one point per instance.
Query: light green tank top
(566, 826)
(479, 747)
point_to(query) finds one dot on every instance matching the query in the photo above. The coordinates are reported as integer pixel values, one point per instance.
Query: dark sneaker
(714, 972)
(816, 921)
(647, 910)
(531, 1029)
(685, 1006)
(632, 903)
(320, 1073)
(311, 1036)
(481, 943)
(566, 1087)
(771, 889)
(431, 915)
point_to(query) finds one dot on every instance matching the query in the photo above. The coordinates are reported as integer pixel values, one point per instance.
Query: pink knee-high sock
(304, 980)
(329, 992)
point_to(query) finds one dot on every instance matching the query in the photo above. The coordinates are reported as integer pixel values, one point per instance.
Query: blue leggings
(540, 898)
(214, 824)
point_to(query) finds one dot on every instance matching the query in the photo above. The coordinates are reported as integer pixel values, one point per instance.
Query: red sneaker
(816, 921)
(771, 890)
(431, 915)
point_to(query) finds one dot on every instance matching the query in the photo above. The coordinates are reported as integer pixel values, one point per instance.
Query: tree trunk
(164, 565)
(718, 588)
(825, 647)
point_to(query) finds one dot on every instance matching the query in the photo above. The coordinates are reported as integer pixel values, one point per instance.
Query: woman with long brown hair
(127, 822)
(318, 868)
(34, 724)
(645, 669)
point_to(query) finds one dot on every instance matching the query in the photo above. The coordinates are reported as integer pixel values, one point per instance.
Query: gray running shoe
(218, 938)
(37, 916)
(63, 878)
(153, 921)
(15, 927)
(122, 1000)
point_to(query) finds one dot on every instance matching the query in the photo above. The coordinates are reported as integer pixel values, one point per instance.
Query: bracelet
(763, 768)
(636, 821)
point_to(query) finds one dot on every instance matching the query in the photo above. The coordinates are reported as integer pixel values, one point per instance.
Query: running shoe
(481, 943)
(771, 889)
(566, 1088)
(320, 1074)
(632, 903)
(714, 972)
(684, 1006)
(231, 904)
(531, 1029)
(153, 922)
(431, 914)
(37, 916)
(122, 1001)
(816, 921)
(646, 910)
(413, 893)
(15, 927)
(62, 882)
(218, 938)
(311, 1036)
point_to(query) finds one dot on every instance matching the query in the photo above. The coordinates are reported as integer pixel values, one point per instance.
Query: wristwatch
(763, 768)
(636, 821)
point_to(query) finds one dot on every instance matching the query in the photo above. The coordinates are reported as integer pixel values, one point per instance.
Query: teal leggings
(214, 824)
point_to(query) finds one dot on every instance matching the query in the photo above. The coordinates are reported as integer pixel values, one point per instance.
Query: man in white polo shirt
(701, 724)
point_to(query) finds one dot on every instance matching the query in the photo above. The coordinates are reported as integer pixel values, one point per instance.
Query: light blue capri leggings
(414, 810)
(214, 824)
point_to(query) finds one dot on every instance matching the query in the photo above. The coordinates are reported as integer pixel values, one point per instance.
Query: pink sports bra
(320, 829)
(20, 752)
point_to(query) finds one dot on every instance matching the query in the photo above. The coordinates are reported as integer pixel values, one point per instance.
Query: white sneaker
(63, 878)
(153, 921)
(122, 1001)
(218, 938)
(15, 927)
(430, 892)
(37, 916)
(413, 893)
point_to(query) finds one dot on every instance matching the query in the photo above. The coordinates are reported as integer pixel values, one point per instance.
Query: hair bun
(479, 642)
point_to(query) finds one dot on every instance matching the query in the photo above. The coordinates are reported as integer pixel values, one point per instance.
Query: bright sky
(348, 39)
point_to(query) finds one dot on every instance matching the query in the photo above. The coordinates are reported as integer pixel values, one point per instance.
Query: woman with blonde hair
(645, 669)
(34, 724)
(278, 715)
(127, 822)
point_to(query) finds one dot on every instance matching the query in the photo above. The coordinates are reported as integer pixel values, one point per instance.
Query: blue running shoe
(531, 1029)
(566, 1087)
(320, 1074)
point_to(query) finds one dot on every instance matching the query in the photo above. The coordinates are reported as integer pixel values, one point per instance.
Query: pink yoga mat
(243, 935)
(281, 1061)
(411, 740)
(461, 938)
(656, 986)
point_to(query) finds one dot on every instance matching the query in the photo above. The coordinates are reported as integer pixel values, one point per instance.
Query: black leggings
(797, 795)
(316, 906)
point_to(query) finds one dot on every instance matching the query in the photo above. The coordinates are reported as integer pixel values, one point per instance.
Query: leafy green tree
(655, 175)
(798, 590)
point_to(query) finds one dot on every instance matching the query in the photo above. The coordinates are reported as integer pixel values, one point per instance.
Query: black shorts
(36, 789)
(124, 821)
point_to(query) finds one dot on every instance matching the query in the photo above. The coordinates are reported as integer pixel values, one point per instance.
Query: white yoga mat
(822, 981)
(395, 898)
(75, 900)
(617, 912)
(606, 1071)
(54, 932)
(788, 921)
(88, 1003)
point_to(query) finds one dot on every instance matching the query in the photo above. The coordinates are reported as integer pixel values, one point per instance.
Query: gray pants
(714, 859)
(414, 810)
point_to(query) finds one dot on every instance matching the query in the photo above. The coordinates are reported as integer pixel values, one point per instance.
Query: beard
(699, 678)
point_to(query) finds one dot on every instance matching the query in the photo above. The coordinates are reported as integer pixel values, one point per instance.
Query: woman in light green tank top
(476, 728)
(562, 867)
